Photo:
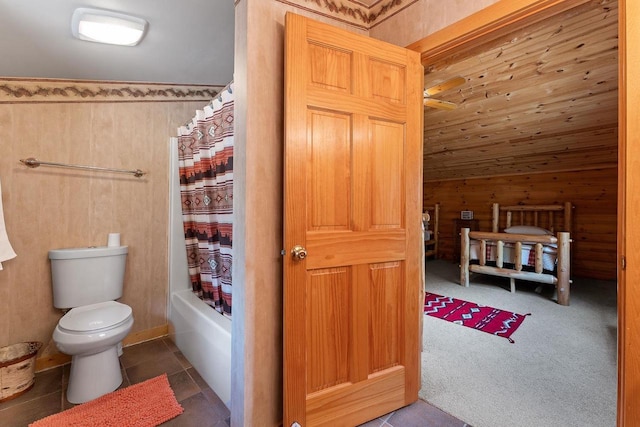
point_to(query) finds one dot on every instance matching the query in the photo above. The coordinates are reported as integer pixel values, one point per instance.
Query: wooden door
(629, 214)
(353, 201)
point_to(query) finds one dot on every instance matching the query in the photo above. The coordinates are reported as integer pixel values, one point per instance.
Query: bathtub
(202, 334)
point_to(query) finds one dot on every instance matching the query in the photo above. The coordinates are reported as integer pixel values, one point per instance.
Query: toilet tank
(81, 276)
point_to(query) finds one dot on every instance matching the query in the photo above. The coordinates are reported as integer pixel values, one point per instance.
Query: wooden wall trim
(628, 187)
(525, 173)
(146, 335)
(14, 91)
(489, 23)
(622, 189)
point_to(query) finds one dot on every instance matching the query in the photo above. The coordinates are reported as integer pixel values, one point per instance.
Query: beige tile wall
(49, 208)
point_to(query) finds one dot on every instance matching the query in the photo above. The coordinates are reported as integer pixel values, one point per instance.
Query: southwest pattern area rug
(486, 319)
(146, 404)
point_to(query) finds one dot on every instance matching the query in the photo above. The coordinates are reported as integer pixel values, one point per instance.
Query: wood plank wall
(592, 192)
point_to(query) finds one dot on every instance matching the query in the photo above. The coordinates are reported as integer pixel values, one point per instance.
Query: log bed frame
(540, 216)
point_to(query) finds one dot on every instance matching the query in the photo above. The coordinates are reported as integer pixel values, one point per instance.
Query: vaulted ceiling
(541, 99)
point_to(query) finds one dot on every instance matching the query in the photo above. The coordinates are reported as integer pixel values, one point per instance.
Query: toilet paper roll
(114, 239)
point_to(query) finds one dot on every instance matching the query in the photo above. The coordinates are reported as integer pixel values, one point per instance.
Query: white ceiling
(188, 41)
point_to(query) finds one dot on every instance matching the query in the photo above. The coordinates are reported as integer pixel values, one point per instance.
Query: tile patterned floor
(419, 414)
(202, 407)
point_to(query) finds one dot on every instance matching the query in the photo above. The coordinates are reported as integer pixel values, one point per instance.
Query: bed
(534, 245)
(431, 220)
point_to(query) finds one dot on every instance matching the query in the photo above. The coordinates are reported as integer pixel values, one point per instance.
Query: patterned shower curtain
(205, 156)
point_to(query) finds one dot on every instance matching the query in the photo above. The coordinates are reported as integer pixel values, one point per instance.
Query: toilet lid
(95, 316)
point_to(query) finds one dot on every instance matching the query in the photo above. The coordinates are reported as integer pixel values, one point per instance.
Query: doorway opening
(499, 146)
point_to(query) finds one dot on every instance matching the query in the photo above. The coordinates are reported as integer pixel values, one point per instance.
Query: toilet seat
(95, 317)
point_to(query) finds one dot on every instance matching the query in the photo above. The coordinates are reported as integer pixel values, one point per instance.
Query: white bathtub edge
(204, 338)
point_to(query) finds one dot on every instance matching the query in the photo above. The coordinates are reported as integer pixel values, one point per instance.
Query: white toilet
(88, 281)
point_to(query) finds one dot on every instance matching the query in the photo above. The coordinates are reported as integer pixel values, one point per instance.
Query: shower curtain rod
(227, 88)
(34, 163)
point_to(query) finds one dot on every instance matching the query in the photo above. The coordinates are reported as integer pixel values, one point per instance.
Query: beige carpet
(561, 370)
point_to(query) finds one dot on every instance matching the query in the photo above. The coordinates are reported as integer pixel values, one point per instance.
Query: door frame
(503, 17)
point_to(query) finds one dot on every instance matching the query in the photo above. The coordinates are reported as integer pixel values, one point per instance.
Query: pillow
(528, 229)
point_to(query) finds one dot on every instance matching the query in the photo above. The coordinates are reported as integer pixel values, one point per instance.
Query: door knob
(299, 253)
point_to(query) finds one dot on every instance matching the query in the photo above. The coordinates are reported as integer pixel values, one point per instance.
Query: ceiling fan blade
(436, 103)
(446, 85)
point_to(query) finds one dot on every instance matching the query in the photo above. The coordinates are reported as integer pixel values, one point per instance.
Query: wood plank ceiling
(543, 99)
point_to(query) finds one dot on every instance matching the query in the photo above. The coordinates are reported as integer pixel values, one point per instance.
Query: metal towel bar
(34, 163)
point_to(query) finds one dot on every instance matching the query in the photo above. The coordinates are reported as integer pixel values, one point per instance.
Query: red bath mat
(146, 404)
(486, 319)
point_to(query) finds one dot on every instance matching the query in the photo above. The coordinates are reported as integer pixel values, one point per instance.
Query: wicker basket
(17, 367)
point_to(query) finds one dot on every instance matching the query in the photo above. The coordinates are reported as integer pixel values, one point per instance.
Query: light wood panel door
(353, 201)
